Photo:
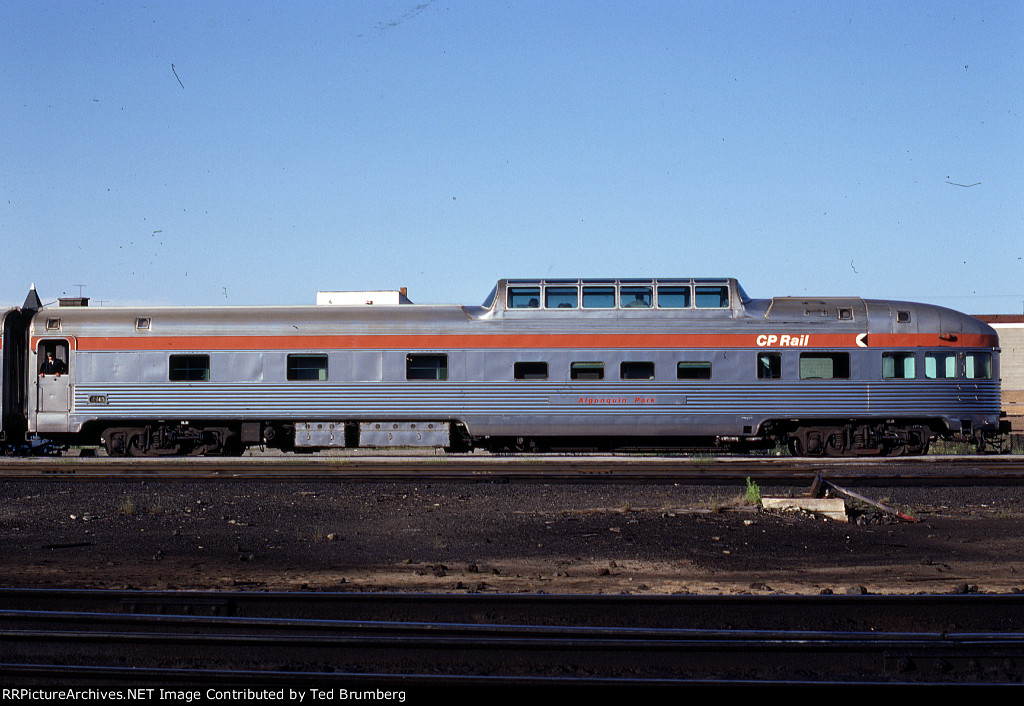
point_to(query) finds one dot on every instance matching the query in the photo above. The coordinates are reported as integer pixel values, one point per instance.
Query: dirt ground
(498, 537)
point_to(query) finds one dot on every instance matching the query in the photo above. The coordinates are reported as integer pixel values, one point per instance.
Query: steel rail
(935, 470)
(151, 627)
(490, 650)
(61, 637)
(875, 613)
(225, 682)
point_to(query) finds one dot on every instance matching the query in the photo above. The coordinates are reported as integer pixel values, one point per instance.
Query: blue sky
(806, 148)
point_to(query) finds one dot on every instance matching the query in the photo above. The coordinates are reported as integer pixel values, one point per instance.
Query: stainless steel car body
(588, 358)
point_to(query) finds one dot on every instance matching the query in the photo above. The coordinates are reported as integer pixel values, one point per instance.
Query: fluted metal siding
(544, 408)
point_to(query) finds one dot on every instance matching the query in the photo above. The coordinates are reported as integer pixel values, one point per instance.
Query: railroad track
(398, 641)
(935, 470)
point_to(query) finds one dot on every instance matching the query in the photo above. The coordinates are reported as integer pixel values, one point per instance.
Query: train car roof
(710, 303)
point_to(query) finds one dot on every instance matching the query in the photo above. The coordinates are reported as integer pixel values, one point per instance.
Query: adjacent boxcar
(541, 364)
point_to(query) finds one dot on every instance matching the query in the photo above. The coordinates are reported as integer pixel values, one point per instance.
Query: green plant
(753, 494)
(127, 505)
(952, 447)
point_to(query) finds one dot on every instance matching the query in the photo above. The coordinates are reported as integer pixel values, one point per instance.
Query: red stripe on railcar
(519, 341)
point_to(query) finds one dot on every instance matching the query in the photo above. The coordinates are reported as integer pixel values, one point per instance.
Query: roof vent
(377, 298)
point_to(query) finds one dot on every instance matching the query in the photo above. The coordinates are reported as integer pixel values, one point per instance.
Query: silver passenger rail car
(542, 364)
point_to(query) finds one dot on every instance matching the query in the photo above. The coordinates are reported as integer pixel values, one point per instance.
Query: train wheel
(136, 445)
(807, 441)
(795, 447)
(915, 442)
(113, 441)
(835, 446)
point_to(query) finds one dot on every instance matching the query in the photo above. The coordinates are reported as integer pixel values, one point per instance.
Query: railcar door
(54, 369)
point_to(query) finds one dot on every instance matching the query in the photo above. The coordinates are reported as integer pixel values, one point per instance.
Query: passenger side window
(599, 297)
(188, 368)
(526, 370)
(824, 366)
(712, 297)
(696, 370)
(307, 367)
(940, 366)
(769, 366)
(560, 297)
(524, 297)
(635, 297)
(673, 297)
(426, 366)
(898, 366)
(636, 370)
(586, 371)
(978, 366)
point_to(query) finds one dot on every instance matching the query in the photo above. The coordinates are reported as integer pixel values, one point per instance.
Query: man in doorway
(52, 366)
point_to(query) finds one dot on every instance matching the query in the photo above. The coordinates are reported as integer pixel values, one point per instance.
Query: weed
(319, 534)
(753, 494)
(127, 505)
(951, 447)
